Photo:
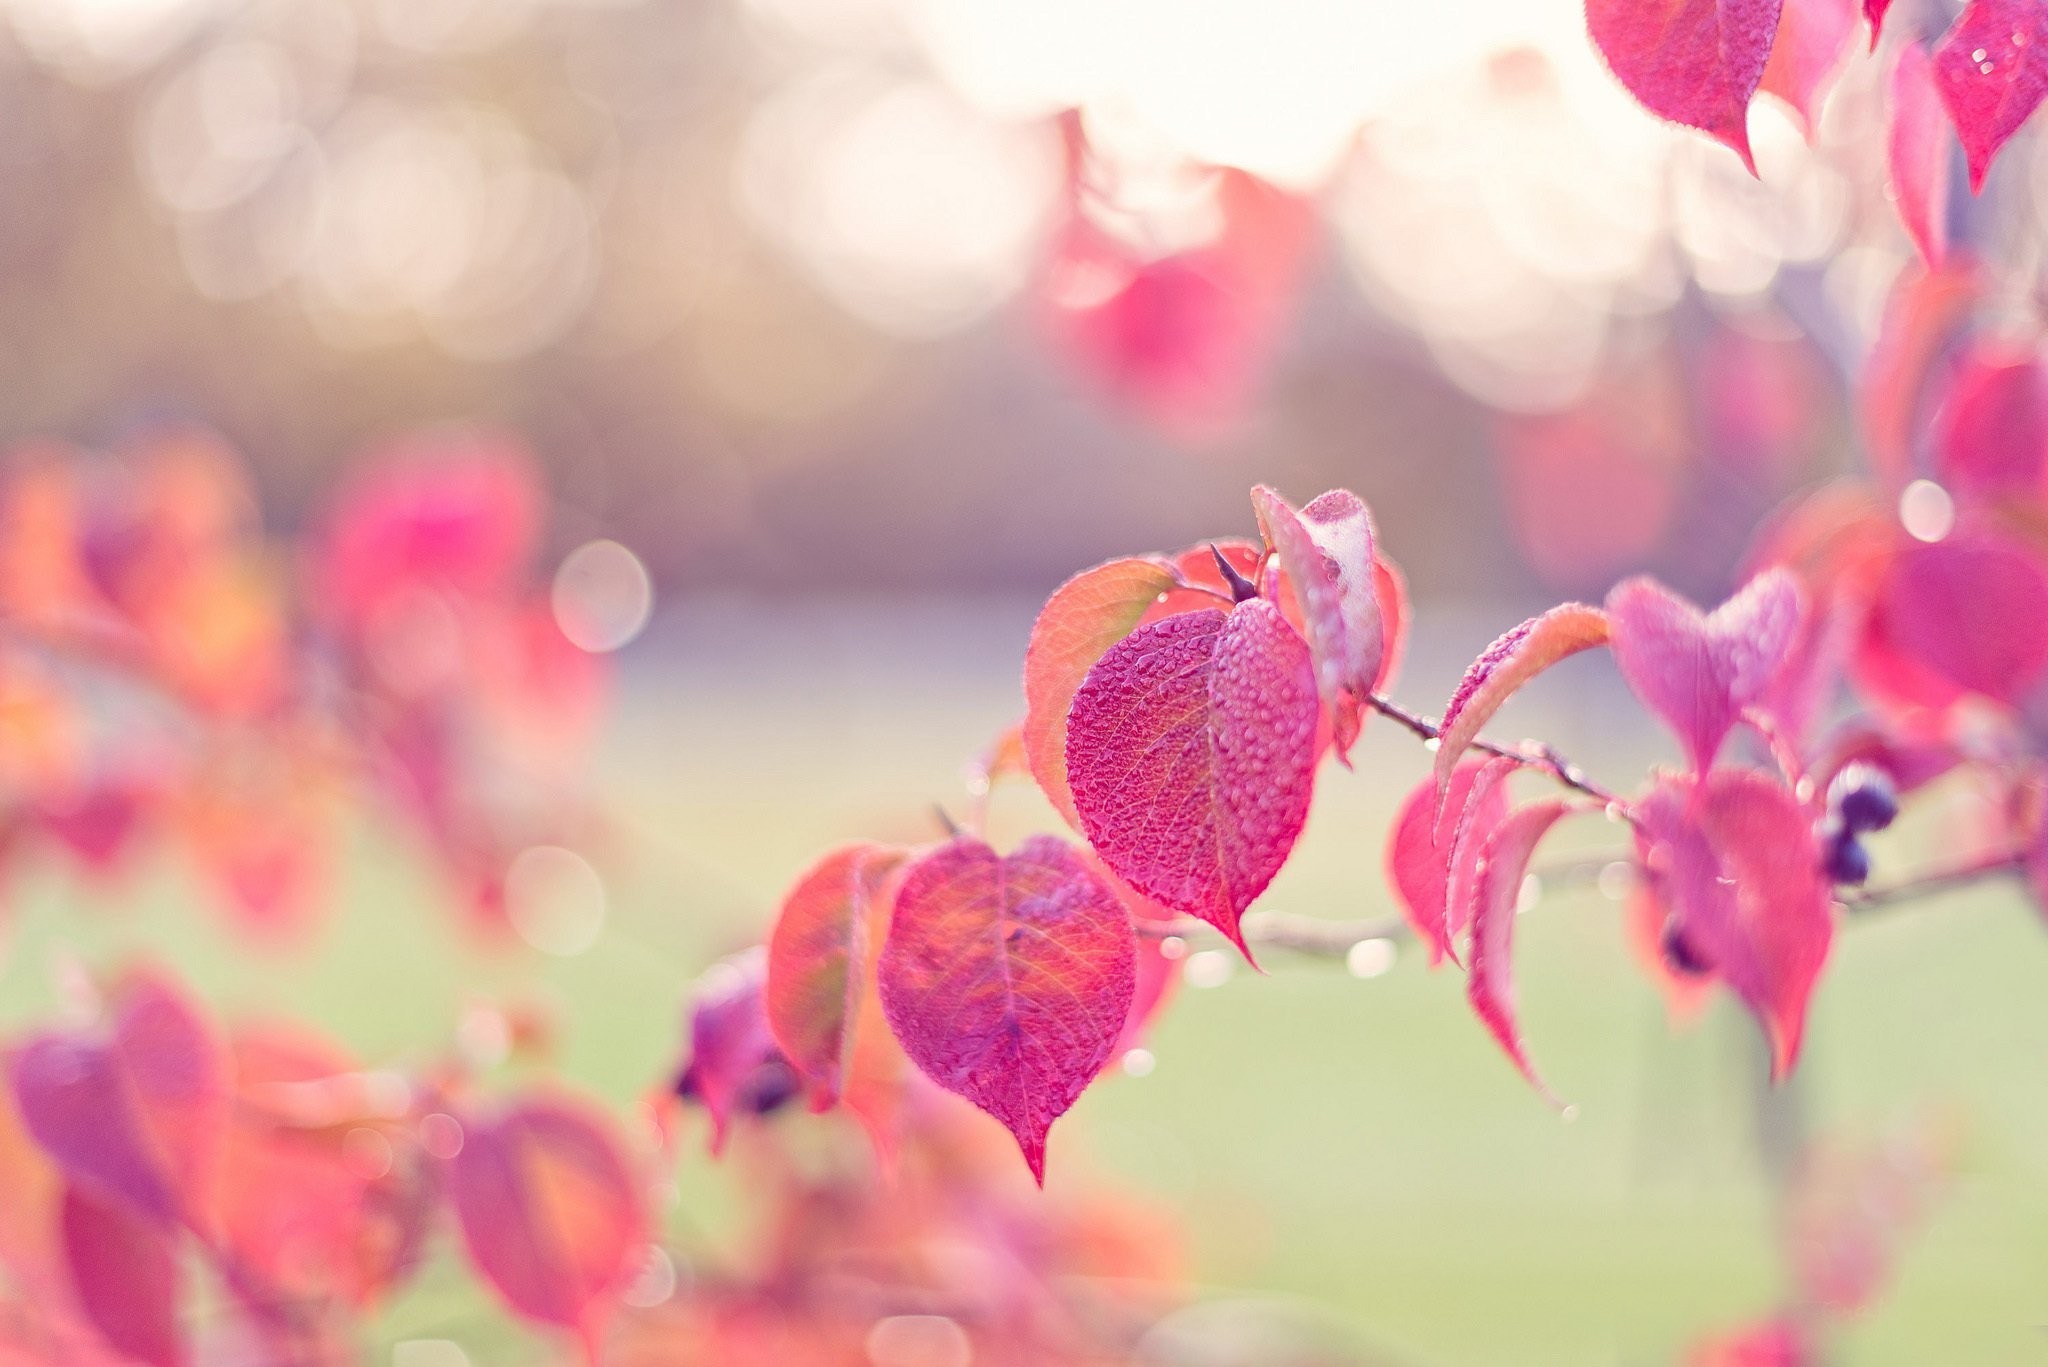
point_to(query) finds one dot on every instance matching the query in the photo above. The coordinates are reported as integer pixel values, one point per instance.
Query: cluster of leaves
(172, 674)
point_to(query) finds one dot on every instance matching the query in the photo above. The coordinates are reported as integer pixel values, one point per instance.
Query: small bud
(1846, 861)
(1864, 797)
(1681, 955)
(1241, 588)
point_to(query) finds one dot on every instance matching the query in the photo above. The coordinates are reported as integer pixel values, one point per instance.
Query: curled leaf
(1008, 980)
(1698, 671)
(1191, 749)
(1517, 656)
(1503, 863)
(1918, 149)
(1084, 617)
(1695, 62)
(818, 960)
(1424, 853)
(1992, 70)
(1327, 550)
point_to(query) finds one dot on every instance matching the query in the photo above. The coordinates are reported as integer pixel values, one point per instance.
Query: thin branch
(1530, 754)
(2000, 865)
(1289, 931)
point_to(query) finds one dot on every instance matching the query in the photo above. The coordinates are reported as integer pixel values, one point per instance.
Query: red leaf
(1733, 858)
(124, 1268)
(1992, 70)
(1516, 656)
(818, 959)
(550, 1210)
(1084, 617)
(1503, 863)
(1695, 62)
(1812, 35)
(1958, 616)
(1327, 551)
(1009, 980)
(1423, 849)
(730, 1043)
(135, 1113)
(1191, 749)
(1918, 149)
(1157, 974)
(1699, 671)
(1992, 436)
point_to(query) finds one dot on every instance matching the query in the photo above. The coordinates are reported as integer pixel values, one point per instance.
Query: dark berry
(1864, 797)
(1846, 860)
(1681, 955)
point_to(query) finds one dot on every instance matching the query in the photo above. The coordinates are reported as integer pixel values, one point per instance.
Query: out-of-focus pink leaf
(1084, 617)
(1926, 310)
(1327, 550)
(1695, 670)
(731, 1046)
(1918, 149)
(1191, 751)
(1992, 436)
(551, 1211)
(124, 1269)
(1773, 1343)
(1503, 863)
(1992, 70)
(818, 962)
(1008, 980)
(1962, 615)
(1812, 35)
(1695, 62)
(1422, 848)
(1851, 1208)
(1516, 656)
(1734, 860)
(1874, 10)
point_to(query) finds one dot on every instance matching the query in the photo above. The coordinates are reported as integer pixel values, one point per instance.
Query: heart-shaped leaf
(1733, 860)
(818, 962)
(1327, 550)
(1191, 750)
(1084, 617)
(1812, 35)
(1918, 149)
(1698, 671)
(1516, 656)
(124, 1269)
(1423, 850)
(1503, 863)
(1992, 69)
(1695, 62)
(551, 1211)
(1008, 980)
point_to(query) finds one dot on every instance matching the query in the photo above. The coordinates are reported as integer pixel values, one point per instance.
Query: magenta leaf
(1503, 864)
(1422, 850)
(1695, 62)
(1918, 150)
(1009, 980)
(1812, 35)
(1191, 750)
(1327, 550)
(1993, 433)
(1874, 10)
(124, 1269)
(1699, 671)
(1992, 70)
(1516, 656)
(733, 1055)
(1962, 615)
(551, 1211)
(1734, 861)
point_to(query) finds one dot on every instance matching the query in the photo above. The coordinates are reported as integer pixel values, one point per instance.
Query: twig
(2000, 865)
(1531, 754)
(1290, 931)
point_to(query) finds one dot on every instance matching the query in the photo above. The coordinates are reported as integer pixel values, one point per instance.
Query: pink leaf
(1733, 858)
(1191, 749)
(1873, 10)
(733, 1057)
(1959, 616)
(1993, 432)
(550, 1210)
(1918, 150)
(1517, 656)
(124, 1269)
(1502, 865)
(1084, 617)
(1422, 850)
(1327, 551)
(1698, 671)
(1992, 70)
(1009, 980)
(1812, 35)
(1695, 62)
(818, 963)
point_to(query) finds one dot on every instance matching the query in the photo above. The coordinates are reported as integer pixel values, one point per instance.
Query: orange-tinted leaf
(1516, 657)
(1503, 863)
(1812, 36)
(818, 957)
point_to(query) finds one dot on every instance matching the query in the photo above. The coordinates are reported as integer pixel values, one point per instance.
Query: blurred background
(859, 325)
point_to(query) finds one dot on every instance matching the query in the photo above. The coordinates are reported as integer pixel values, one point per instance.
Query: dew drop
(1433, 744)
(1984, 67)
(1615, 880)
(1139, 1063)
(1530, 894)
(1979, 55)
(1371, 958)
(1208, 968)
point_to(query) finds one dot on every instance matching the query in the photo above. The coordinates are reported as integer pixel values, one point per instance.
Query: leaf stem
(1928, 884)
(1530, 754)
